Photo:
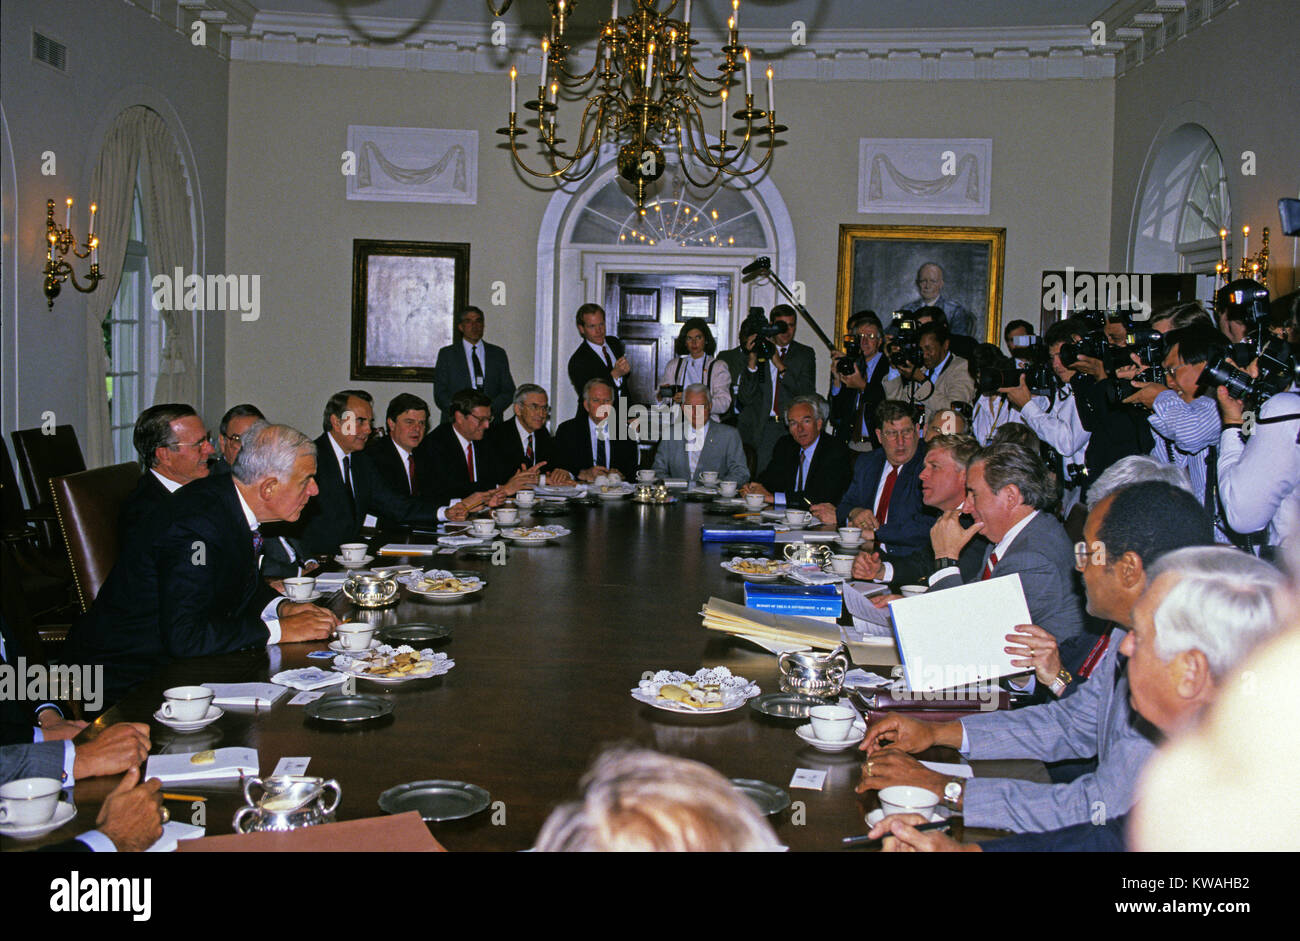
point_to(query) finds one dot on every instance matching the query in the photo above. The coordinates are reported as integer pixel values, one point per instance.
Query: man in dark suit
(943, 488)
(469, 363)
(190, 587)
(237, 420)
(766, 389)
(174, 449)
(466, 470)
(885, 495)
(350, 487)
(808, 466)
(595, 443)
(396, 457)
(598, 357)
(524, 441)
(1008, 492)
(855, 397)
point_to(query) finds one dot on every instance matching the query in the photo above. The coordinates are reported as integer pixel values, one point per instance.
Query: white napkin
(308, 678)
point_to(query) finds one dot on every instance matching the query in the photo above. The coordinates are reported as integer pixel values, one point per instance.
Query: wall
(1237, 77)
(118, 56)
(289, 221)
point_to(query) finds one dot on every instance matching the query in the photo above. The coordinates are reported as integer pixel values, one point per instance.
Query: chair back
(12, 518)
(88, 505)
(42, 456)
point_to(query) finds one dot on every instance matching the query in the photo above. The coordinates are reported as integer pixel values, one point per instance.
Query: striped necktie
(988, 566)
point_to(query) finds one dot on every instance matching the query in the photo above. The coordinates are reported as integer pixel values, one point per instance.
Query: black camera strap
(1276, 419)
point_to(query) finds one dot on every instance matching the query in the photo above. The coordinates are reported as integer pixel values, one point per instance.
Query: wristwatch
(945, 563)
(1063, 679)
(952, 792)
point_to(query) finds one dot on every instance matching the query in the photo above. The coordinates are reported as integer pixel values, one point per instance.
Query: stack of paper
(408, 548)
(224, 764)
(260, 695)
(776, 632)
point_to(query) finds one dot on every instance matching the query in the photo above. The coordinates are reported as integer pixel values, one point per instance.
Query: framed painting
(898, 268)
(404, 300)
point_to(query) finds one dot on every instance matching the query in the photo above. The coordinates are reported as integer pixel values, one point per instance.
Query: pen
(865, 840)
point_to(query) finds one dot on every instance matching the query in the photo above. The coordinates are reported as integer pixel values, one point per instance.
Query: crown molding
(1055, 52)
(223, 19)
(1139, 30)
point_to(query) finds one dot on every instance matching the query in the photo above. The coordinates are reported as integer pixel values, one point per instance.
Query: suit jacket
(907, 526)
(451, 374)
(735, 360)
(148, 498)
(585, 364)
(188, 588)
(825, 479)
(508, 448)
(574, 440)
(31, 760)
(755, 395)
(953, 385)
(333, 516)
(1080, 838)
(1043, 555)
(391, 468)
(1096, 722)
(849, 406)
(718, 377)
(721, 452)
(451, 481)
(18, 716)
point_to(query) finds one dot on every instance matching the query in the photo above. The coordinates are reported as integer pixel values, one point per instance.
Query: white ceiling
(758, 14)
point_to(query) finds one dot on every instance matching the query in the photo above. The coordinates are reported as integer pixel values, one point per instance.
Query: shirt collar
(943, 364)
(469, 347)
(594, 429)
(524, 432)
(1001, 548)
(249, 516)
(171, 485)
(464, 442)
(401, 451)
(339, 453)
(599, 347)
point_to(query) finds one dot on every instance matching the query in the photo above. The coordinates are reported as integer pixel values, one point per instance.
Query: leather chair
(41, 456)
(45, 579)
(88, 505)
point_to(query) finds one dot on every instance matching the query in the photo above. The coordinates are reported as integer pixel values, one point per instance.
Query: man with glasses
(237, 420)
(174, 449)
(466, 470)
(703, 445)
(854, 397)
(809, 466)
(524, 441)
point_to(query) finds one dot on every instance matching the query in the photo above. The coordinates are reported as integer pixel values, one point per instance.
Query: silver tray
(769, 798)
(436, 800)
(416, 632)
(785, 705)
(358, 708)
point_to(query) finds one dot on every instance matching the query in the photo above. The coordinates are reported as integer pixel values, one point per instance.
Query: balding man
(174, 449)
(704, 445)
(190, 586)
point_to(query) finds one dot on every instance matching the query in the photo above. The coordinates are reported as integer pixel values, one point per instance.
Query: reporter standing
(1259, 472)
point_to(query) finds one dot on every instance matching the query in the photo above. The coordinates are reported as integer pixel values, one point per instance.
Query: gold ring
(166, 815)
(868, 769)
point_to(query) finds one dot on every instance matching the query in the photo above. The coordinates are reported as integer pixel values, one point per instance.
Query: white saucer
(214, 713)
(496, 531)
(365, 560)
(315, 595)
(848, 545)
(337, 646)
(805, 732)
(877, 815)
(63, 813)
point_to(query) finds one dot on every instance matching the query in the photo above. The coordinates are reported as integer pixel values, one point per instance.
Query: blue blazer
(907, 527)
(451, 375)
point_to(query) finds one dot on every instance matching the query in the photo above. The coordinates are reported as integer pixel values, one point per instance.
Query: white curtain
(113, 186)
(171, 246)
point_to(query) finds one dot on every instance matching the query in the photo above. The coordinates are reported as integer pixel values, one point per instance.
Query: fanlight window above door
(675, 218)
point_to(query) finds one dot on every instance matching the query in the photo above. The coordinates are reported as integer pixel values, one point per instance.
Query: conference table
(545, 659)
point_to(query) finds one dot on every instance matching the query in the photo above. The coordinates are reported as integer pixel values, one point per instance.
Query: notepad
(224, 764)
(246, 694)
(957, 637)
(408, 548)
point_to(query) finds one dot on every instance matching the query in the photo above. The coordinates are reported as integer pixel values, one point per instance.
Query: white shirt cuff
(371, 521)
(1027, 680)
(886, 571)
(271, 621)
(944, 573)
(965, 742)
(97, 841)
(442, 513)
(69, 761)
(778, 499)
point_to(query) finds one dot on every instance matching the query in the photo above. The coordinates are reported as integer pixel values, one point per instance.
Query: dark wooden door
(647, 311)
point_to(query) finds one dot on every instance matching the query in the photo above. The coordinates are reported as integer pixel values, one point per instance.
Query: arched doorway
(592, 234)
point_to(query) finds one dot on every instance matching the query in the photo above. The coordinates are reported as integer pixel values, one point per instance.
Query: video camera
(1006, 372)
(757, 325)
(1143, 342)
(905, 348)
(852, 358)
(1275, 362)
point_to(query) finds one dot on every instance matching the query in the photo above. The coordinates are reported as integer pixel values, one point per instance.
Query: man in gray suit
(1125, 534)
(1008, 492)
(705, 446)
(766, 390)
(469, 363)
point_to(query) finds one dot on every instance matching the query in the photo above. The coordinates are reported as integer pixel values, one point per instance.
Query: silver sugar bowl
(813, 673)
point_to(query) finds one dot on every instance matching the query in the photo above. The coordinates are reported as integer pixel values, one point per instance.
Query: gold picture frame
(879, 264)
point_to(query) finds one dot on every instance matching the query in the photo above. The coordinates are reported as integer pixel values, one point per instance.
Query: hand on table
(894, 766)
(55, 728)
(949, 537)
(523, 478)
(825, 512)
(558, 477)
(132, 814)
(119, 747)
(906, 734)
(1036, 648)
(862, 517)
(303, 621)
(883, 600)
(591, 473)
(901, 836)
(755, 487)
(866, 566)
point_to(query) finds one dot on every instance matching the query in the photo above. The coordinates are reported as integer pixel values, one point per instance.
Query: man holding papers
(1126, 533)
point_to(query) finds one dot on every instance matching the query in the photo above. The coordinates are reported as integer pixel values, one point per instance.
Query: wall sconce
(60, 238)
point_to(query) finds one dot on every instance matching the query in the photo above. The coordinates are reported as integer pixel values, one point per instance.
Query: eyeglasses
(535, 408)
(206, 439)
(898, 435)
(1083, 555)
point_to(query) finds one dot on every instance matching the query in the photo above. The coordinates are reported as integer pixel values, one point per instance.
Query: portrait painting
(893, 269)
(404, 299)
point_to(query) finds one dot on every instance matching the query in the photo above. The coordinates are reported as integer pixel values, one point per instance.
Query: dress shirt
(991, 412)
(1259, 478)
(601, 432)
(1184, 433)
(171, 485)
(524, 435)
(695, 438)
(1062, 430)
(339, 455)
(268, 613)
(601, 351)
(470, 349)
(779, 498)
(937, 371)
(1000, 550)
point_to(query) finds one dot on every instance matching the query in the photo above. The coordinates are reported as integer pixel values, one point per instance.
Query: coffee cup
(832, 723)
(905, 799)
(525, 497)
(353, 551)
(187, 703)
(29, 801)
(355, 636)
(796, 517)
(911, 590)
(842, 564)
(299, 589)
(850, 534)
(645, 476)
(727, 488)
(708, 478)
(754, 501)
(483, 527)
(506, 516)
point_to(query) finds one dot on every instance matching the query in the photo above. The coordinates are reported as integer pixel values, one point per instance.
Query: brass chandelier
(645, 90)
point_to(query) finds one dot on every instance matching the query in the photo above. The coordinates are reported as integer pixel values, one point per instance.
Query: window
(133, 340)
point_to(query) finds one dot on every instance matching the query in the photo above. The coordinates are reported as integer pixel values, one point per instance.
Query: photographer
(857, 381)
(1186, 421)
(991, 410)
(938, 380)
(1055, 419)
(777, 369)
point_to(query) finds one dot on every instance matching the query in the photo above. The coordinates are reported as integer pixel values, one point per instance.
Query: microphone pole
(763, 266)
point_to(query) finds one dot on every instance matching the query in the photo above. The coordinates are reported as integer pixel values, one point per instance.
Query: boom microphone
(761, 263)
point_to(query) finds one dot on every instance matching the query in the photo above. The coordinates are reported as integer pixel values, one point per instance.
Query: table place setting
(756, 569)
(188, 708)
(308, 679)
(392, 665)
(222, 764)
(353, 555)
(33, 807)
(833, 728)
(709, 690)
(246, 695)
(302, 589)
(534, 535)
(436, 801)
(442, 585)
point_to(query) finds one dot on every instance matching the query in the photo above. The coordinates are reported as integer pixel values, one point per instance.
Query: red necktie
(528, 455)
(882, 511)
(988, 566)
(608, 362)
(469, 460)
(410, 470)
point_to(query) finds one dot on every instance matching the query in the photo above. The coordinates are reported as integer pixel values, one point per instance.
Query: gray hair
(1136, 469)
(637, 800)
(814, 401)
(597, 381)
(528, 388)
(1224, 604)
(153, 430)
(270, 451)
(1006, 464)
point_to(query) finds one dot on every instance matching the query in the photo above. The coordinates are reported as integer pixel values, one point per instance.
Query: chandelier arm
(581, 149)
(519, 162)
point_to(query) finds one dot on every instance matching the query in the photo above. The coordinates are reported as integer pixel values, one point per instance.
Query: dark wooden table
(546, 657)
